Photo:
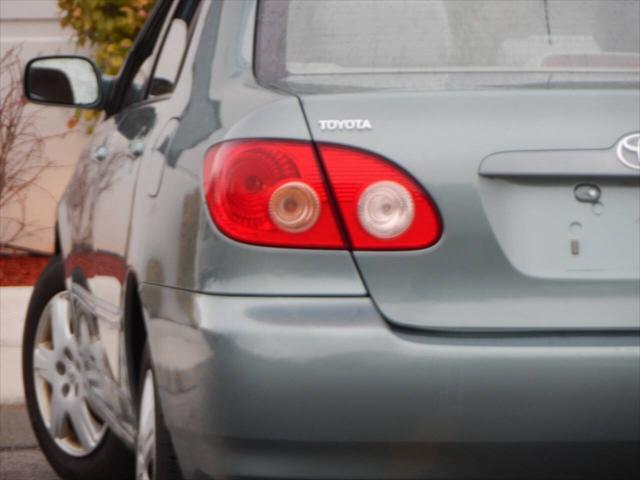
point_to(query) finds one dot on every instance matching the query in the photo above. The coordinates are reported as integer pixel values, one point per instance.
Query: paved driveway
(20, 458)
(25, 464)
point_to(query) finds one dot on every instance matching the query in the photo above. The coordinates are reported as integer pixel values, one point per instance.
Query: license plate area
(547, 229)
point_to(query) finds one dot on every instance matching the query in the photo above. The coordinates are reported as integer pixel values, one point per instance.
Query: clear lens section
(385, 209)
(294, 207)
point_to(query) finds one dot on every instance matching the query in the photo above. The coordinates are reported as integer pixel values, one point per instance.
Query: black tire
(111, 459)
(167, 466)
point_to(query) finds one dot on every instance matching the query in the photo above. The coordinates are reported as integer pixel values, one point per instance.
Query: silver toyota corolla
(318, 239)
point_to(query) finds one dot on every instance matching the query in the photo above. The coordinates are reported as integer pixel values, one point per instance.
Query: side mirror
(67, 81)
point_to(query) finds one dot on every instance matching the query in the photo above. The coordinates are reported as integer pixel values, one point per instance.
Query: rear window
(314, 45)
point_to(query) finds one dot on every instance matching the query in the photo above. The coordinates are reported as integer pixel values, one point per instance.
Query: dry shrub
(22, 158)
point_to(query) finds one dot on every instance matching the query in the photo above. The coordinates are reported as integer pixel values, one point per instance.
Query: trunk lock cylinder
(587, 193)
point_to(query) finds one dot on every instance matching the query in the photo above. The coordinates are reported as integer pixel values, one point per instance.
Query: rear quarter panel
(173, 240)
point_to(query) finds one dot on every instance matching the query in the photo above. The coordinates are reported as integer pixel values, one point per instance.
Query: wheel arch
(57, 248)
(135, 333)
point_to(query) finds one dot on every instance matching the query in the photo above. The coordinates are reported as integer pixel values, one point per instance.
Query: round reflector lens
(385, 209)
(294, 207)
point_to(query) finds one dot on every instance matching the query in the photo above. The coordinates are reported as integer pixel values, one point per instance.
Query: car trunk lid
(521, 249)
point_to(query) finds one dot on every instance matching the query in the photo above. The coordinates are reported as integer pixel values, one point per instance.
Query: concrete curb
(13, 308)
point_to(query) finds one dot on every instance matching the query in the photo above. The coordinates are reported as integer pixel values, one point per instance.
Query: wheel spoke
(60, 330)
(142, 469)
(60, 381)
(84, 426)
(58, 417)
(84, 335)
(148, 446)
(44, 363)
(147, 435)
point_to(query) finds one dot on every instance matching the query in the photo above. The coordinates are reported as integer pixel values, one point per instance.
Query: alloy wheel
(60, 381)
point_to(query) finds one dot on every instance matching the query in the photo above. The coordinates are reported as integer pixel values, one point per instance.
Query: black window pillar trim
(142, 48)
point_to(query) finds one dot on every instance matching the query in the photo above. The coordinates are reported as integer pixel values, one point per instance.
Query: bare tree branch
(22, 159)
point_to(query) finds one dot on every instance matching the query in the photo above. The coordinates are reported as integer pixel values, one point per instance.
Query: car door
(127, 137)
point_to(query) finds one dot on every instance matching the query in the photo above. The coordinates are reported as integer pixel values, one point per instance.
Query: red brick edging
(21, 270)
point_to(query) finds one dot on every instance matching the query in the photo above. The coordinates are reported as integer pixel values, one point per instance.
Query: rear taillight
(272, 192)
(382, 207)
(269, 192)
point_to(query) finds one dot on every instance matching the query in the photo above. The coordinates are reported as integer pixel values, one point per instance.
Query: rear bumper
(323, 388)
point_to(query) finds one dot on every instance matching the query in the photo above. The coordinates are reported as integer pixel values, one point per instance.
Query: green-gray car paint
(436, 363)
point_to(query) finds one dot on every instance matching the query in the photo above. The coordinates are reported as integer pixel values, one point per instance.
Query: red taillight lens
(270, 192)
(383, 208)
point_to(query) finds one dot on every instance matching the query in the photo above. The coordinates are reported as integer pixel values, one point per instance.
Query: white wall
(34, 25)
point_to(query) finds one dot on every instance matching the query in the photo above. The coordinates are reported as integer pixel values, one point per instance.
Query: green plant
(108, 27)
